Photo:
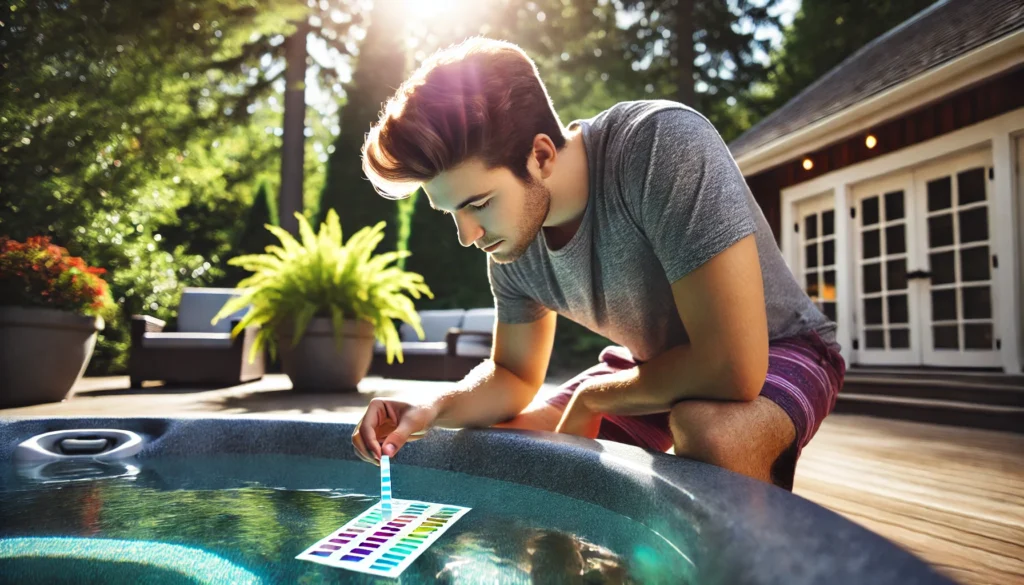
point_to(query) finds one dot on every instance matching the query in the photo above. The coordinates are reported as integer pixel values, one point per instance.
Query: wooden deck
(953, 496)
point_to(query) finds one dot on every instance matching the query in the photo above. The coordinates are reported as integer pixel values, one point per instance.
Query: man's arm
(500, 388)
(721, 304)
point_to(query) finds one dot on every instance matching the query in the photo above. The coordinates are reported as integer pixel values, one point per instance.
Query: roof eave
(968, 69)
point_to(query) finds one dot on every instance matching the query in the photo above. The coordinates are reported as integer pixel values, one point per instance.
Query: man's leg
(763, 438)
(745, 437)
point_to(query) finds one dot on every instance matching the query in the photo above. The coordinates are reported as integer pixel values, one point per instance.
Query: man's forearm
(679, 373)
(488, 395)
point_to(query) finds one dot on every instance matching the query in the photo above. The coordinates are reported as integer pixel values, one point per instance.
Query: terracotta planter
(43, 352)
(316, 363)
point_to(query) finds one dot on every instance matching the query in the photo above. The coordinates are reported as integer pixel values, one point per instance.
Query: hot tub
(230, 500)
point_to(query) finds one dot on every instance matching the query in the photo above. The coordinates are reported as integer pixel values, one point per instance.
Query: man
(636, 224)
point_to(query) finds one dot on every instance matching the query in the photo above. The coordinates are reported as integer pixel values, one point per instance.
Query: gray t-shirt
(665, 197)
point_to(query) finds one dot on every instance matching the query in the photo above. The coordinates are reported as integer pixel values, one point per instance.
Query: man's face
(493, 209)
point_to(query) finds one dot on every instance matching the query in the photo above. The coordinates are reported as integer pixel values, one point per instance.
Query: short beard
(535, 210)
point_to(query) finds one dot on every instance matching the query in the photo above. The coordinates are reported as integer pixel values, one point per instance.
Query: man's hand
(388, 424)
(578, 418)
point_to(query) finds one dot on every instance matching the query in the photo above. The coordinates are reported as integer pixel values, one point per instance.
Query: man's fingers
(368, 427)
(401, 434)
(360, 449)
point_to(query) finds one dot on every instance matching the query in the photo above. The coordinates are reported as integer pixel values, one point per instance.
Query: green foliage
(700, 52)
(320, 276)
(823, 34)
(379, 70)
(134, 135)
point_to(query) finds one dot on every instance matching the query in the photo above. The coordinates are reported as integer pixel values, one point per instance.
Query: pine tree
(379, 70)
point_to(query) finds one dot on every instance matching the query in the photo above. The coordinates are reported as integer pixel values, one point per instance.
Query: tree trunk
(684, 52)
(293, 146)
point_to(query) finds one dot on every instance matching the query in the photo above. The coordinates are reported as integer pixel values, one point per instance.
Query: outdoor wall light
(871, 141)
(808, 164)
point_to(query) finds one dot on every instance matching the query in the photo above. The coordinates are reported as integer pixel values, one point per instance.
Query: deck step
(996, 417)
(989, 390)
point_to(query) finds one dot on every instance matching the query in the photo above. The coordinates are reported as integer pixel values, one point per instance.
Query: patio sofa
(455, 341)
(198, 352)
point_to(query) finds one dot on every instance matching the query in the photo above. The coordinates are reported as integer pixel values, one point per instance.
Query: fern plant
(321, 276)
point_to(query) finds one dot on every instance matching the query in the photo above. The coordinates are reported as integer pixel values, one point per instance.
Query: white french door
(816, 272)
(956, 252)
(887, 312)
(922, 266)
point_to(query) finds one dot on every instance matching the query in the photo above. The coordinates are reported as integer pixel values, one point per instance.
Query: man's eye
(482, 205)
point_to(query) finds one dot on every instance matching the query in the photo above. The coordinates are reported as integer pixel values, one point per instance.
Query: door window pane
(899, 339)
(872, 245)
(974, 264)
(896, 239)
(872, 278)
(944, 305)
(811, 256)
(970, 185)
(977, 302)
(870, 211)
(875, 339)
(828, 292)
(830, 311)
(942, 268)
(828, 223)
(893, 205)
(873, 311)
(828, 253)
(940, 194)
(978, 336)
(898, 309)
(940, 230)
(811, 227)
(974, 225)
(896, 274)
(945, 337)
(812, 284)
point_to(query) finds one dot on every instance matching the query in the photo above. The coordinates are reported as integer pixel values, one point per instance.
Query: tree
(133, 135)
(823, 34)
(700, 52)
(379, 70)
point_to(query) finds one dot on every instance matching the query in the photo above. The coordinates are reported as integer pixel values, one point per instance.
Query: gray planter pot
(43, 352)
(316, 364)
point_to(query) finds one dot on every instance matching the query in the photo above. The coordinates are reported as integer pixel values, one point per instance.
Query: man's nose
(469, 230)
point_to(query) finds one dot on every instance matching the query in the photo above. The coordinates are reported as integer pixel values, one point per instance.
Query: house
(894, 187)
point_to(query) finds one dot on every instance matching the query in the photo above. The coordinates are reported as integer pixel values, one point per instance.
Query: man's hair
(480, 99)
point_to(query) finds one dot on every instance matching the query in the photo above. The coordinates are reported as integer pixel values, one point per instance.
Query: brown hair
(481, 98)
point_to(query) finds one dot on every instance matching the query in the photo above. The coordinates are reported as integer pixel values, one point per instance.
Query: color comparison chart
(388, 537)
(370, 544)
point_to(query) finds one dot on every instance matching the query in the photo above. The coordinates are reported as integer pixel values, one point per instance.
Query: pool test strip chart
(371, 544)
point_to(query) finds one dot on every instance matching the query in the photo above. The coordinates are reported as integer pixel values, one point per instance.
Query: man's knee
(696, 436)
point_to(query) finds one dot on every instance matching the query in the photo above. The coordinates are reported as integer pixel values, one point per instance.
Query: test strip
(385, 487)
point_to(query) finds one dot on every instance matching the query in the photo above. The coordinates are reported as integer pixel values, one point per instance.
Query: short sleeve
(691, 198)
(511, 304)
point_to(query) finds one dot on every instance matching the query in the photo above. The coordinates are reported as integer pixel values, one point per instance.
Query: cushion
(186, 340)
(435, 325)
(425, 348)
(471, 345)
(198, 307)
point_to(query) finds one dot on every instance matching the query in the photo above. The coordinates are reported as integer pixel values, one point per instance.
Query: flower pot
(43, 352)
(317, 364)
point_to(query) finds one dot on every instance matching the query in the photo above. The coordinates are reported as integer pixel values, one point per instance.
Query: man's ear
(544, 155)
